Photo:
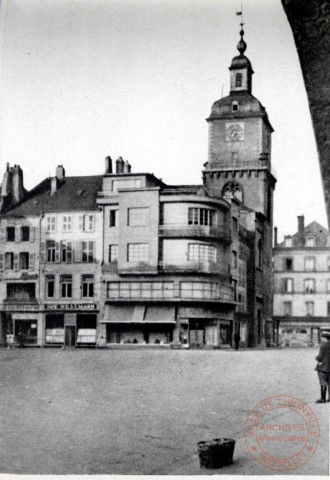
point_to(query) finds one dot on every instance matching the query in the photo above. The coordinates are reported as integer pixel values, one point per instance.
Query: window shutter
(57, 252)
(3, 234)
(78, 252)
(32, 234)
(31, 261)
(2, 261)
(18, 234)
(91, 219)
(69, 252)
(81, 223)
(16, 261)
(42, 252)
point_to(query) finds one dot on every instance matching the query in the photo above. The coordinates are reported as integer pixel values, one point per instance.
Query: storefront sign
(19, 307)
(71, 306)
(29, 276)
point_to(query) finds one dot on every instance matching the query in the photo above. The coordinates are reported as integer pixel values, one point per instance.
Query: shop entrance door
(70, 336)
(196, 334)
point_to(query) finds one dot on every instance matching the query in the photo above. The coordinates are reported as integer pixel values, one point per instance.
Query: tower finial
(241, 46)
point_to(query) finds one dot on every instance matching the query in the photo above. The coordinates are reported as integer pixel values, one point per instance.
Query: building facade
(302, 285)
(124, 259)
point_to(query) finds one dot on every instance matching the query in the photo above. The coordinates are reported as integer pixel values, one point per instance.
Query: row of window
(204, 290)
(67, 251)
(19, 234)
(139, 216)
(17, 261)
(86, 286)
(308, 285)
(309, 242)
(139, 252)
(309, 264)
(309, 308)
(85, 223)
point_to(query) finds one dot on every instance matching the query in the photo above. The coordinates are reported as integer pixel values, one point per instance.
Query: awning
(118, 314)
(138, 314)
(160, 315)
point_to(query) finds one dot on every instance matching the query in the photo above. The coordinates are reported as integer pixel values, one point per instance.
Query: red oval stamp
(281, 433)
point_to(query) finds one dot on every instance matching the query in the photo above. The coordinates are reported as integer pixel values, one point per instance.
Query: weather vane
(241, 14)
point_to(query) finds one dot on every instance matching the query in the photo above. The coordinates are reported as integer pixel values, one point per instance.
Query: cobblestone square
(140, 412)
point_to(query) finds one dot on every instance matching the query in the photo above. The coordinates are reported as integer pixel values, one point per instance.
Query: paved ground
(141, 412)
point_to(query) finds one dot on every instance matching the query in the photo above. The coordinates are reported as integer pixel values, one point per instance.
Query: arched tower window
(238, 80)
(232, 190)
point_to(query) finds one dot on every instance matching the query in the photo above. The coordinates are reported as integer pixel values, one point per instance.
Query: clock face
(235, 132)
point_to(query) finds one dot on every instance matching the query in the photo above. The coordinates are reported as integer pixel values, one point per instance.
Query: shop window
(88, 286)
(25, 234)
(202, 253)
(310, 264)
(309, 285)
(201, 216)
(113, 253)
(66, 286)
(66, 251)
(51, 224)
(66, 223)
(138, 252)
(50, 251)
(138, 216)
(22, 292)
(287, 285)
(10, 234)
(114, 218)
(140, 290)
(288, 264)
(287, 308)
(50, 286)
(9, 261)
(309, 308)
(24, 260)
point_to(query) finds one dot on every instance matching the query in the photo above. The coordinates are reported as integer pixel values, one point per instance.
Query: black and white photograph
(164, 237)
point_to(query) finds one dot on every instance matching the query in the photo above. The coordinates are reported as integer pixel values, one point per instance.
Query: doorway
(70, 336)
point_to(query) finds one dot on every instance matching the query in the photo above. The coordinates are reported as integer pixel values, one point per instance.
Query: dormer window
(310, 242)
(234, 106)
(238, 80)
(288, 242)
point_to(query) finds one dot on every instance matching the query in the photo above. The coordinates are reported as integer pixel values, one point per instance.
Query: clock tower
(239, 170)
(239, 160)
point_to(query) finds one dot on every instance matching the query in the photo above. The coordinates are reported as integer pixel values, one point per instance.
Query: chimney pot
(60, 172)
(108, 164)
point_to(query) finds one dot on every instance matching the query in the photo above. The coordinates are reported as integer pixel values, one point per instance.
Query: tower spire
(241, 46)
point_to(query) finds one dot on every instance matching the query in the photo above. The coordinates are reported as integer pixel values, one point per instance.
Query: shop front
(138, 325)
(71, 325)
(24, 323)
(205, 328)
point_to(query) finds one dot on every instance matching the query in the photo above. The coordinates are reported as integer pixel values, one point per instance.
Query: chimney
(127, 167)
(108, 165)
(60, 172)
(301, 230)
(18, 188)
(275, 236)
(120, 165)
(53, 185)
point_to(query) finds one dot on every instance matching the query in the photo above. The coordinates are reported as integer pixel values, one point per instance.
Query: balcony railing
(196, 231)
(193, 266)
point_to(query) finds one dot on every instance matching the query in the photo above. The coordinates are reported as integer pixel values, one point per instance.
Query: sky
(83, 79)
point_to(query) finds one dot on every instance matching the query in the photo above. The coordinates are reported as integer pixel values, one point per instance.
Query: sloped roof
(313, 229)
(73, 193)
